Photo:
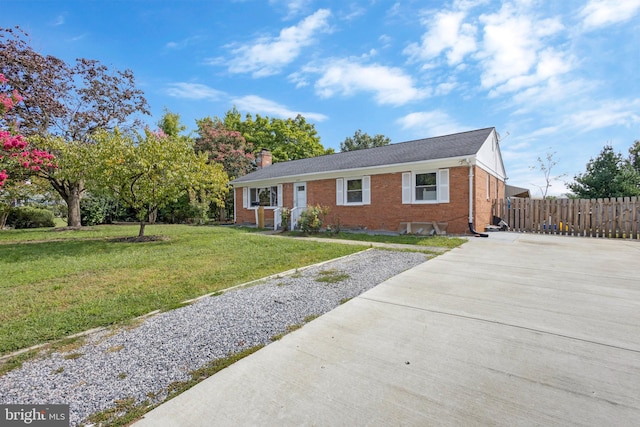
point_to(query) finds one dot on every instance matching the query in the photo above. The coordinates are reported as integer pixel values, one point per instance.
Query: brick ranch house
(446, 183)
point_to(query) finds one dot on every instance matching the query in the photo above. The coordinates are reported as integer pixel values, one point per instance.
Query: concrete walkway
(510, 330)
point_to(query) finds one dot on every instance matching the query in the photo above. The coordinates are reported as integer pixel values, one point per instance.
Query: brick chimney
(264, 158)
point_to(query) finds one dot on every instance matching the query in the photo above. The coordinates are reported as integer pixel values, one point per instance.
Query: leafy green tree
(608, 175)
(287, 139)
(69, 102)
(147, 172)
(171, 125)
(634, 155)
(360, 141)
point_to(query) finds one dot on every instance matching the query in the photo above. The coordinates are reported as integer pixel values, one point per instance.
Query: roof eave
(368, 170)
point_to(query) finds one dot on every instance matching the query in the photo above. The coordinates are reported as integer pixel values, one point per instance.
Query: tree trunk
(4, 214)
(73, 209)
(153, 216)
(71, 192)
(141, 232)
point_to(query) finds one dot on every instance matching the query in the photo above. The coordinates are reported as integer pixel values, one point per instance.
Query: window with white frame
(425, 187)
(353, 191)
(263, 196)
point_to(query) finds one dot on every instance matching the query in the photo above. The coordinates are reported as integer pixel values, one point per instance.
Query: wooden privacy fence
(613, 218)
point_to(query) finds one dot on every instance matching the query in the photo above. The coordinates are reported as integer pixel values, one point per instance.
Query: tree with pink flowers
(18, 161)
(66, 103)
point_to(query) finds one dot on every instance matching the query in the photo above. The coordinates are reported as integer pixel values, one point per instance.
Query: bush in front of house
(285, 216)
(29, 217)
(311, 220)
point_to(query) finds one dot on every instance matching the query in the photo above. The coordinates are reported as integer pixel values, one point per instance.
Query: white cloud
(430, 123)
(564, 92)
(624, 112)
(600, 13)
(294, 7)
(268, 55)
(299, 79)
(182, 43)
(445, 88)
(515, 53)
(346, 77)
(256, 104)
(447, 33)
(194, 91)
(355, 11)
(385, 41)
(59, 20)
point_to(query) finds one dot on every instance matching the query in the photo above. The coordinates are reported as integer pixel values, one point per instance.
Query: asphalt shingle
(440, 147)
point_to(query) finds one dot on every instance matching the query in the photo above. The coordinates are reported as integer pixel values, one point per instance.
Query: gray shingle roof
(440, 147)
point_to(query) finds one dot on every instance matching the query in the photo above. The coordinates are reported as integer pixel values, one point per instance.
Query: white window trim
(341, 191)
(246, 198)
(409, 187)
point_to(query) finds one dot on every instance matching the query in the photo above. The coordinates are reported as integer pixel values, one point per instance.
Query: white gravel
(142, 362)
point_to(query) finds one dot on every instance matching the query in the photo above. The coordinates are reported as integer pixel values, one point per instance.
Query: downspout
(235, 205)
(471, 229)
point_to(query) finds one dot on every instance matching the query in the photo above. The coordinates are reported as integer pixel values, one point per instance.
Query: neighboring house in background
(513, 191)
(446, 183)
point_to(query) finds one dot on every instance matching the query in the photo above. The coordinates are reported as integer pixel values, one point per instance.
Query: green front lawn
(53, 284)
(404, 239)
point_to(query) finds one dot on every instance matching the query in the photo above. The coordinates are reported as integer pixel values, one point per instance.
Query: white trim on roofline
(489, 157)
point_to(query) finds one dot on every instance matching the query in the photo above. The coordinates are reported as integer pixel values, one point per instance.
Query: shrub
(96, 209)
(285, 216)
(28, 217)
(334, 227)
(311, 220)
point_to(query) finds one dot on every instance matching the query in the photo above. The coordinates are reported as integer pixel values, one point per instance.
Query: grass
(404, 239)
(54, 284)
(331, 276)
(128, 410)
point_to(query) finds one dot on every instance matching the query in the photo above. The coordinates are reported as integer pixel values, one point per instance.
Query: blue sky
(552, 76)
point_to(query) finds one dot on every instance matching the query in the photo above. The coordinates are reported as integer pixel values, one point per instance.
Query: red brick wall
(482, 203)
(386, 210)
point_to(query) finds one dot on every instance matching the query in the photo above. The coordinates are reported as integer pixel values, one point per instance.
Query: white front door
(300, 195)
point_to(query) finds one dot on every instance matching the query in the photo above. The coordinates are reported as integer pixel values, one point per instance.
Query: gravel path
(142, 362)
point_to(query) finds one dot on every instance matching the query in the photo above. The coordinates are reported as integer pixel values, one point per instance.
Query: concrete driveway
(510, 330)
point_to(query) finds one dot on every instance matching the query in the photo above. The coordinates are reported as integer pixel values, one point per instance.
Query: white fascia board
(435, 164)
(489, 157)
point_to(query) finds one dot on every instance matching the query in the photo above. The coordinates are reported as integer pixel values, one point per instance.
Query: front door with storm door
(299, 201)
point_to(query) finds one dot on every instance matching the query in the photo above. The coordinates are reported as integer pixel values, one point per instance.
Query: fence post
(635, 206)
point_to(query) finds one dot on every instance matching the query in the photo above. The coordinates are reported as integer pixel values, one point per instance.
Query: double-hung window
(425, 187)
(353, 191)
(262, 196)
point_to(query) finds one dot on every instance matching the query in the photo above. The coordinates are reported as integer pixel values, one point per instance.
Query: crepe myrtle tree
(68, 103)
(147, 171)
(227, 147)
(19, 161)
